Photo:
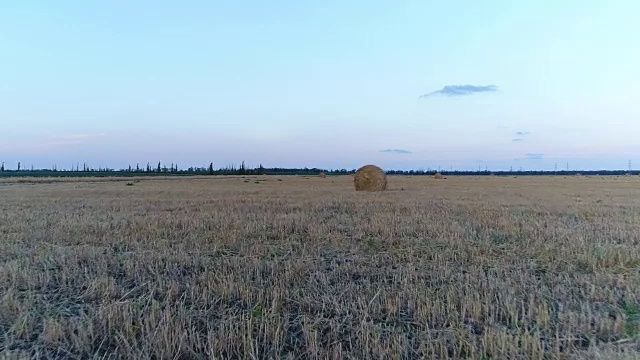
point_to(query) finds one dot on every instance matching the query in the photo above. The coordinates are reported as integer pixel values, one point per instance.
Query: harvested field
(303, 267)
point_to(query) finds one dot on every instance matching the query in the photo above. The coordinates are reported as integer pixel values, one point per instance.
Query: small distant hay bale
(370, 178)
(492, 174)
(322, 175)
(578, 174)
(438, 176)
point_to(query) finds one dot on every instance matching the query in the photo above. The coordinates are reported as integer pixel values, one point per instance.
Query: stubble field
(303, 267)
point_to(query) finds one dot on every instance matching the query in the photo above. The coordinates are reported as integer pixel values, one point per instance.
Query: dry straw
(438, 176)
(322, 175)
(370, 178)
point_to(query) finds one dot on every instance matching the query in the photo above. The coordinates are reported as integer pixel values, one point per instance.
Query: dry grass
(477, 268)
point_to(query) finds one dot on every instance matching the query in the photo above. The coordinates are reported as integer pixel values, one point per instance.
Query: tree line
(154, 169)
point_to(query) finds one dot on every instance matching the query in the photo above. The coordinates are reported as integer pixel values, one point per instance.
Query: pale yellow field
(303, 267)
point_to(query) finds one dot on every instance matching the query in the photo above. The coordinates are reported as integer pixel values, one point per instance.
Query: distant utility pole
(556, 168)
(567, 166)
(629, 164)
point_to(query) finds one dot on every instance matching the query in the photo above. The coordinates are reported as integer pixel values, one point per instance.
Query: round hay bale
(370, 178)
(322, 175)
(438, 176)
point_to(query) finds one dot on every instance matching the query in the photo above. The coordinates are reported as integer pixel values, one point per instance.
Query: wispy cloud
(397, 151)
(517, 140)
(461, 90)
(49, 141)
(522, 133)
(530, 156)
(70, 139)
(75, 136)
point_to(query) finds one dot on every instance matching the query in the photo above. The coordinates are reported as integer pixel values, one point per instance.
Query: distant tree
(138, 167)
(159, 167)
(210, 168)
(19, 165)
(148, 167)
(2, 167)
(130, 168)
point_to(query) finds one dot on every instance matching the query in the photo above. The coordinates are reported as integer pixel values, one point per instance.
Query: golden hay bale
(438, 176)
(322, 175)
(370, 178)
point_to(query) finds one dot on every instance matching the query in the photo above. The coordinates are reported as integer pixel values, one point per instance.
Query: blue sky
(330, 84)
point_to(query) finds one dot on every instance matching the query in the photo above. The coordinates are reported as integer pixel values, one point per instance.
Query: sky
(332, 84)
